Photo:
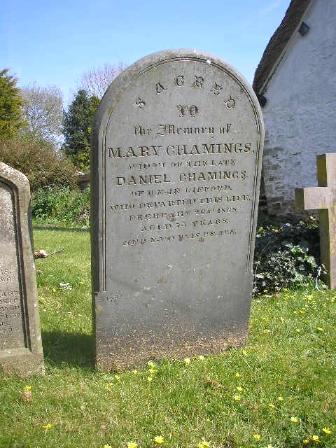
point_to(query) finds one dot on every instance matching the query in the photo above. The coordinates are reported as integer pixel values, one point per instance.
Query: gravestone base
(21, 362)
(126, 355)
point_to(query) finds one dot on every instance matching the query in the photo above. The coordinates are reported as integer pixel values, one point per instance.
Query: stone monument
(175, 175)
(323, 198)
(20, 338)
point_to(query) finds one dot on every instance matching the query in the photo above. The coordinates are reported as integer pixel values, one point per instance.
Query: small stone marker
(323, 198)
(20, 338)
(176, 171)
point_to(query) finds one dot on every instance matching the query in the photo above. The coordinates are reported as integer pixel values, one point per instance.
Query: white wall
(300, 114)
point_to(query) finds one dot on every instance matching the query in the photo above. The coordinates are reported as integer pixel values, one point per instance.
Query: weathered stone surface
(176, 168)
(323, 198)
(20, 338)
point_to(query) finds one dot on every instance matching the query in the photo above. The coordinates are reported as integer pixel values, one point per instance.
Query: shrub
(61, 206)
(39, 161)
(286, 256)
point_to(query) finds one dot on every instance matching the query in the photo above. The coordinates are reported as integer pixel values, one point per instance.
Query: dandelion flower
(327, 430)
(294, 420)
(159, 440)
(237, 375)
(203, 444)
(257, 437)
(239, 389)
(237, 397)
(149, 379)
(47, 426)
(27, 388)
(132, 445)
(280, 398)
(315, 438)
(305, 441)
(187, 361)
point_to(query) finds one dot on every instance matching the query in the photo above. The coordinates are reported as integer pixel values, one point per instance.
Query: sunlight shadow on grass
(71, 349)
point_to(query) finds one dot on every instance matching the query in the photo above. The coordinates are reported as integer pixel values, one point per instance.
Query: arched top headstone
(176, 171)
(20, 338)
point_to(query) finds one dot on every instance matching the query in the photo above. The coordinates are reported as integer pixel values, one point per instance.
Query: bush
(61, 206)
(39, 161)
(286, 256)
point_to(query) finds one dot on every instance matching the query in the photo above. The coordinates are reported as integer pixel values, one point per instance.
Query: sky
(54, 42)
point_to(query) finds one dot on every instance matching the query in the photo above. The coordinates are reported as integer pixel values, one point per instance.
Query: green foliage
(61, 206)
(78, 125)
(286, 256)
(10, 106)
(285, 375)
(39, 161)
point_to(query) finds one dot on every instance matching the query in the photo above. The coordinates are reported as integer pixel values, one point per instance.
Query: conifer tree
(10, 105)
(78, 124)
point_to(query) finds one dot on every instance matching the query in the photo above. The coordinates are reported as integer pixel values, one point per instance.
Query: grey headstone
(20, 338)
(176, 171)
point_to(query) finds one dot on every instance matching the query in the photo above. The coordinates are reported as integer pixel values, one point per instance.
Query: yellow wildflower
(149, 379)
(132, 445)
(159, 440)
(134, 371)
(305, 441)
(117, 377)
(327, 430)
(280, 398)
(107, 446)
(239, 389)
(237, 375)
(187, 361)
(294, 420)
(201, 357)
(315, 438)
(151, 364)
(203, 444)
(27, 388)
(237, 397)
(257, 437)
(47, 426)
(152, 371)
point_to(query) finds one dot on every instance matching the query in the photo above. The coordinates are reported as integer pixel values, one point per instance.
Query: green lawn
(279, 391)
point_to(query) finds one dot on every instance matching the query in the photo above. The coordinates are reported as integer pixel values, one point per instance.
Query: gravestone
(323, 198)
(20, 339)
(176, 169)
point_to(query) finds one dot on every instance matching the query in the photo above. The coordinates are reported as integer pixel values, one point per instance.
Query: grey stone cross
(323, 198)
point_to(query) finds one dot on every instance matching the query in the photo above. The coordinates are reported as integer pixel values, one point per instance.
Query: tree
(78, 123)
(10, 105)
(97, 80)
(43, 111)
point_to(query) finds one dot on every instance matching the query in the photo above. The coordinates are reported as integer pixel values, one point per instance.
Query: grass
(278, 391)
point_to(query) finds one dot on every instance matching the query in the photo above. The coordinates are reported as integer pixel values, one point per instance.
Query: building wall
(300, 113)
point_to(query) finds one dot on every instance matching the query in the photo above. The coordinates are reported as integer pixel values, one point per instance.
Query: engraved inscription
(12, 332)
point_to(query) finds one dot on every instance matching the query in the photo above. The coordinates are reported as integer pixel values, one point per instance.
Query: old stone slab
(176, 170)
(323, 198)
(20, 338)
